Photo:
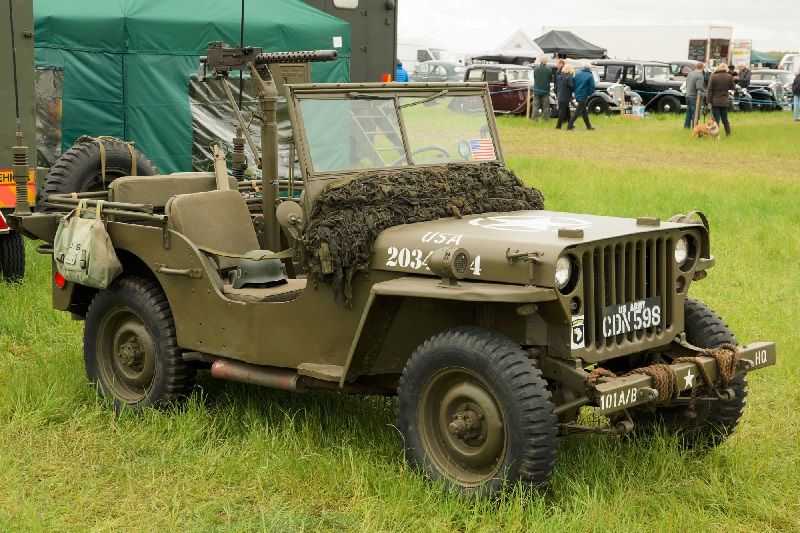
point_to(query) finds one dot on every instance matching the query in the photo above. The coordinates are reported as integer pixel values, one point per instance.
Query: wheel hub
(462, 426)
(467, 425)
(131, 354)
(126, 353)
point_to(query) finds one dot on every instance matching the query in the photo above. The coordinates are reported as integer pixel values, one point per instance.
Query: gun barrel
(296, 57)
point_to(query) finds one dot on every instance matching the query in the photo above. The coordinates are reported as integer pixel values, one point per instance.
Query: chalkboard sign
(698, 49)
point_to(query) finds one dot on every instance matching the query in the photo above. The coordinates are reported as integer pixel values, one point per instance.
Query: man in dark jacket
(721, 82)
(542, 78)
(584, 88)
(796, 100)
(745, 75)
(565, 85)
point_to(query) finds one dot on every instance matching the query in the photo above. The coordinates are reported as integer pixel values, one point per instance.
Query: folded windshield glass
(353, 132)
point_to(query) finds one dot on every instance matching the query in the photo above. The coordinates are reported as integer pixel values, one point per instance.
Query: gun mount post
(268, 102)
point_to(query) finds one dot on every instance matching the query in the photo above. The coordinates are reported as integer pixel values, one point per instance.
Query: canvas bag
(83, 250)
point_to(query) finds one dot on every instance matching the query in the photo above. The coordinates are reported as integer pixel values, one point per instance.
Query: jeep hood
(489, 237)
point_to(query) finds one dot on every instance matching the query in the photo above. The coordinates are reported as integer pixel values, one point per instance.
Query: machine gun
(221, 60)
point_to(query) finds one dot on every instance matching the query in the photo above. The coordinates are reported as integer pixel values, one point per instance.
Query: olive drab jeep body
(414, 263)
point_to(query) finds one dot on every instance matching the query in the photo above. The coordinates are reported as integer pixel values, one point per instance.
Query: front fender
(387, 297)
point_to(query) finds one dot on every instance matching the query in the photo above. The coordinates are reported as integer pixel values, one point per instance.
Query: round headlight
(563, 272)
(681, 251)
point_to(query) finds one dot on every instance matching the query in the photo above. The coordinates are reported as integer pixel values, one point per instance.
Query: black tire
(12, 257)
(713, 421)
(494, 384)
(130, 347)
(598, 106)
(669, 104)
(78, 169)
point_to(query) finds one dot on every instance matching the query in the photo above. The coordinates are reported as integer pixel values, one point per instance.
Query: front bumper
(614, 394)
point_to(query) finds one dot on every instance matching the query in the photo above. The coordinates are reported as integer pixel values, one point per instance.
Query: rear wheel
(598, 106)
(12, 256)
(475, 412)
(130, 346)
(79, 168)
(711, 422)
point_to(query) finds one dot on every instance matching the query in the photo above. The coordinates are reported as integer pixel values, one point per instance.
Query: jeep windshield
(357, 127)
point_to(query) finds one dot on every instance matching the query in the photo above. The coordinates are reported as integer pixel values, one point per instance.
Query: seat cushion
(157, 190)
(219, 220)
(280, 293)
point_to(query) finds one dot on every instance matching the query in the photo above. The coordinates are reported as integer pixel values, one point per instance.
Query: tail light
(59, 280)
(3, 223)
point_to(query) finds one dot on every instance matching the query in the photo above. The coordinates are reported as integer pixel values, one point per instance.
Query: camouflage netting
(347, 217)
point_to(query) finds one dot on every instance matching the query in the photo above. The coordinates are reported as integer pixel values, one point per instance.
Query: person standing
(400, 74)
(796, 100)
(695, 92)
(565, 85)
(718, 94)
(584, 88)
(542, 78)
(745, 75)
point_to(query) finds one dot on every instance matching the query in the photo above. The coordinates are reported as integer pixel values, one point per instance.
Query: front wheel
(130, 346)
(711, 422)
(475, 412)
(598, 106)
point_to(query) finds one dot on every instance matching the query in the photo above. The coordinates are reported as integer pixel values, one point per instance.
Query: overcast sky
(470, 25)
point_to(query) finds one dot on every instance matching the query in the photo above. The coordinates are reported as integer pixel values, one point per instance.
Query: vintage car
(771, 89)
(438, 71)
(509, 85)
(651, 80)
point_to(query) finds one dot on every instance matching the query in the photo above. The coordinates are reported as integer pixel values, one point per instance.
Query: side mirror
(290, 218)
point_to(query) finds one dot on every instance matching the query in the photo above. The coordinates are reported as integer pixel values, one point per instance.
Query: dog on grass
(709, 129)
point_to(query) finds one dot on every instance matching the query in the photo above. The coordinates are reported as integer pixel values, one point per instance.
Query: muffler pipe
(274, 378)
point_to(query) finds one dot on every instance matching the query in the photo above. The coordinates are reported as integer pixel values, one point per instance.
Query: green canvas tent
(127, 63)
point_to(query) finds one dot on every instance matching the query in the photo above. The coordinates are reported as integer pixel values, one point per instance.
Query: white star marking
(689, 380)
(529, 223)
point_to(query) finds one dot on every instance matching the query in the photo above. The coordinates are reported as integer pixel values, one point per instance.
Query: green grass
(241, 458)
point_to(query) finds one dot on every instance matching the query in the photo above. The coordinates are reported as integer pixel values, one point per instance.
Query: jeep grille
(627, 271)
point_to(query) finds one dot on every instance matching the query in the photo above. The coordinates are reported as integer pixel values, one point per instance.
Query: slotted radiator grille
(623, 272)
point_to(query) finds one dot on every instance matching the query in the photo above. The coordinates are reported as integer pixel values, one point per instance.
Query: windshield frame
(387, 91)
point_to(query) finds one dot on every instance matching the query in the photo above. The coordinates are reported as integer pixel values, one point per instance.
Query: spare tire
(78, 169)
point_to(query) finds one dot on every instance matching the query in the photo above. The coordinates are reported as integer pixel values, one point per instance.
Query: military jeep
(414, 263)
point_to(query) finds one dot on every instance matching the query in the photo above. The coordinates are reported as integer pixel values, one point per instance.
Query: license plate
(632, 316)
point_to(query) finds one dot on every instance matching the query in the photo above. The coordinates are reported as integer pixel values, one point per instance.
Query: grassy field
(239, 458)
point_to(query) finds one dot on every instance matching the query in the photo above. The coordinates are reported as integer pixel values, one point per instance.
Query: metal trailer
(16, 114)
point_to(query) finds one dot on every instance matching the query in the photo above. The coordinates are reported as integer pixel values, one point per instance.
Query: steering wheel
(432, 148)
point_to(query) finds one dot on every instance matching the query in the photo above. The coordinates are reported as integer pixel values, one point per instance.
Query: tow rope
(664, 380)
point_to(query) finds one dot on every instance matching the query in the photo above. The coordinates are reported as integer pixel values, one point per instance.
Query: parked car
(438, 71)
(771, 89)
(508, 85)
(651, 80)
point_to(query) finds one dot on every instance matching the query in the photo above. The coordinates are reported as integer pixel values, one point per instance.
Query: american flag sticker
(482, 150)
